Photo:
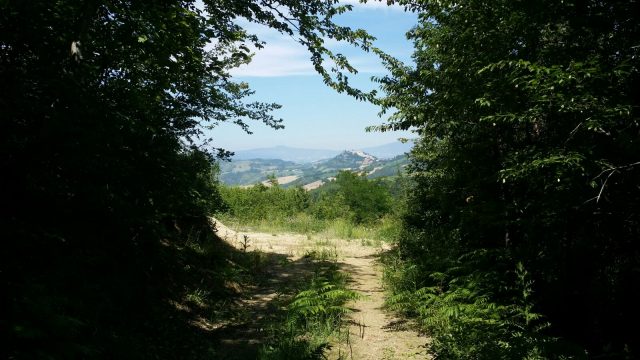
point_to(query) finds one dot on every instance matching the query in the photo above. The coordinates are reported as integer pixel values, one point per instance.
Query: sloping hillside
(298, 155)
(249, 172)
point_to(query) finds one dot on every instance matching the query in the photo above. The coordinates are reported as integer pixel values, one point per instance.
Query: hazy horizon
(303, 147)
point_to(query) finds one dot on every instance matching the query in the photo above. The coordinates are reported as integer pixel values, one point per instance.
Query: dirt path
(374, 333)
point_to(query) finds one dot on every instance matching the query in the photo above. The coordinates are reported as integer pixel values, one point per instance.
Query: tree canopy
(103, 109)
(352, 195)
(528, 124)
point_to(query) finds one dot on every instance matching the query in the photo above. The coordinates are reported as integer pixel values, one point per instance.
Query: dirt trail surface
(373, 332)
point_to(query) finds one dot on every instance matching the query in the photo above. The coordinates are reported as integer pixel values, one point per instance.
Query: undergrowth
(384, 229)
(313, 318)
(351, 207)
(472, 313)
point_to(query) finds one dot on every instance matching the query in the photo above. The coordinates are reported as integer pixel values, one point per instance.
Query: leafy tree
(528, 120)
(363, 200)
(103, 110)
(261, 202)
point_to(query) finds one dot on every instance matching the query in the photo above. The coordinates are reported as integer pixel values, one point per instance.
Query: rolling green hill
(249, 172)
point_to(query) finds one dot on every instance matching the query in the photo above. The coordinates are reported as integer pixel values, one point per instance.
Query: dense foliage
(351, 206)
(261, 202)
(103, 109)
(315, 315)
(353, 197)
(527, 163)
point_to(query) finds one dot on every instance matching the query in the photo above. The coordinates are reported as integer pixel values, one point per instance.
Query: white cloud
(371, 4)
(281, 55)
(277, 59)
(284, 56)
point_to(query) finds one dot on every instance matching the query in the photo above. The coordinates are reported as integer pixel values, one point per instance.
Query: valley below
(310, 175)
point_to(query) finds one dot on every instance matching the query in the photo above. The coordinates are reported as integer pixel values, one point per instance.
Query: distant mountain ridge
(298, 155)
(253, 171)
(303, 156)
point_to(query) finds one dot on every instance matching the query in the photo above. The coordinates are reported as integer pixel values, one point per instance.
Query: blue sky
(315, 116)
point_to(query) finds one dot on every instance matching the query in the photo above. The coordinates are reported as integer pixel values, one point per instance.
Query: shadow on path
(276, 279)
